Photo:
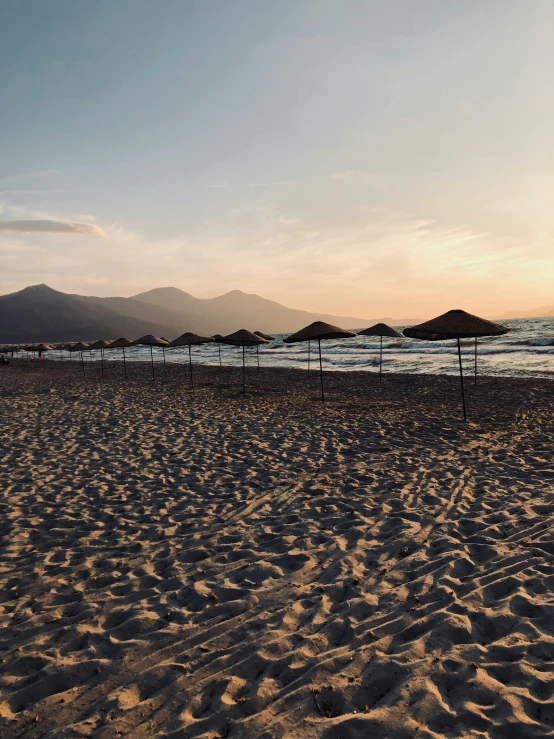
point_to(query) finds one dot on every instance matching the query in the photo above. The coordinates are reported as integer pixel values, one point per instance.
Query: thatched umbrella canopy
(190, 339)
(380, 329)
(11, 349)
(319, 331)
(61, 348)
(243, 338)
(456, 324)
(30, 349)
(100, 344)
(121, 343)
(263, 336)
(151, 341)
(216, 338)
(40, 348)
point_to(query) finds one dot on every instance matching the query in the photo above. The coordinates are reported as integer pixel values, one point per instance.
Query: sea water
(527, 350)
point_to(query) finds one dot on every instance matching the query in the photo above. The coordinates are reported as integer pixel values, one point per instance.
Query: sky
(346, 156)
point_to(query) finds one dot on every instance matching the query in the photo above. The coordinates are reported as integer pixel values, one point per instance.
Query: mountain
(544, 312)
(236, 309)
(39, 313)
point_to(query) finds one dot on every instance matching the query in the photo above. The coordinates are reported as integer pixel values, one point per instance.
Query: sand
(205, 564)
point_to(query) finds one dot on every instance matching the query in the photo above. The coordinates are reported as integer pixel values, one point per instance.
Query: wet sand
(207, 564)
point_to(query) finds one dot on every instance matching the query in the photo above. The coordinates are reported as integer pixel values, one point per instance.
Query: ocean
(527, 351)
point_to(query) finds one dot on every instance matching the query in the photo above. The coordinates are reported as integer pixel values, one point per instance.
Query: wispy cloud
(50, 226)
(382, 262)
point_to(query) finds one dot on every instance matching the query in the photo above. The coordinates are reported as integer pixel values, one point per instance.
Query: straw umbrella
(60, 348)
(67, 348)
(263, 336)
(190, 339)
(319, 331)
(100, 344)
(380, 329)
(121, 343)
(217, 338)
(243, 338)
(41, 348)
(79, 347)
(151, 341)
(456, 324)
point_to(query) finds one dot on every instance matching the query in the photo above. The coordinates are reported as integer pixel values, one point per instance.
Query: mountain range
(39, 313)
(544, 311)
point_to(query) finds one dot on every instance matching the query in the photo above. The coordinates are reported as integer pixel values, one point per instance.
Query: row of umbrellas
(455, 324)
(241, 338)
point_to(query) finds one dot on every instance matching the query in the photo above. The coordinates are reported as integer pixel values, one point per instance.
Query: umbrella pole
(321, 371)
(381, 359)
(124, 364)
(101, 362)
(462, 380)
(163, 352)
(476, 360)
(258, 356)
(152, 360)
(190, 367)
(219, 347)
(243, 372)
(83, 363)
(309, 352)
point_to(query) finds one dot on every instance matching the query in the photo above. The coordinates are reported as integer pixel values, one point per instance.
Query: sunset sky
(348, 156)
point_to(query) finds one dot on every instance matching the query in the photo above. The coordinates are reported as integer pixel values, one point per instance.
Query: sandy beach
(206, 564)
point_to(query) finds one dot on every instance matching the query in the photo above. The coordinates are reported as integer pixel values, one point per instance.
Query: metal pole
(152, 360)
(381, 359)
(163, 352)
(102, 362)
(309, 352)
(462, 380)
(321, 371)
(190, 366)
(243, 372)
(124, 364)
(83, 363)
(476, 360)
(219, 347)
(258, 356)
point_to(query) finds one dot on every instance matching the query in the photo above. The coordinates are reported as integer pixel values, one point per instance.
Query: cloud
(379, 262)
(50, 226)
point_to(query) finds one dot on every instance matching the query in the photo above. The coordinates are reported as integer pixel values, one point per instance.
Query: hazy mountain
(236, 310)
(544, 312)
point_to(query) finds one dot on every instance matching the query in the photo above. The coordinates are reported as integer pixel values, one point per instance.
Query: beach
(203, 563)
